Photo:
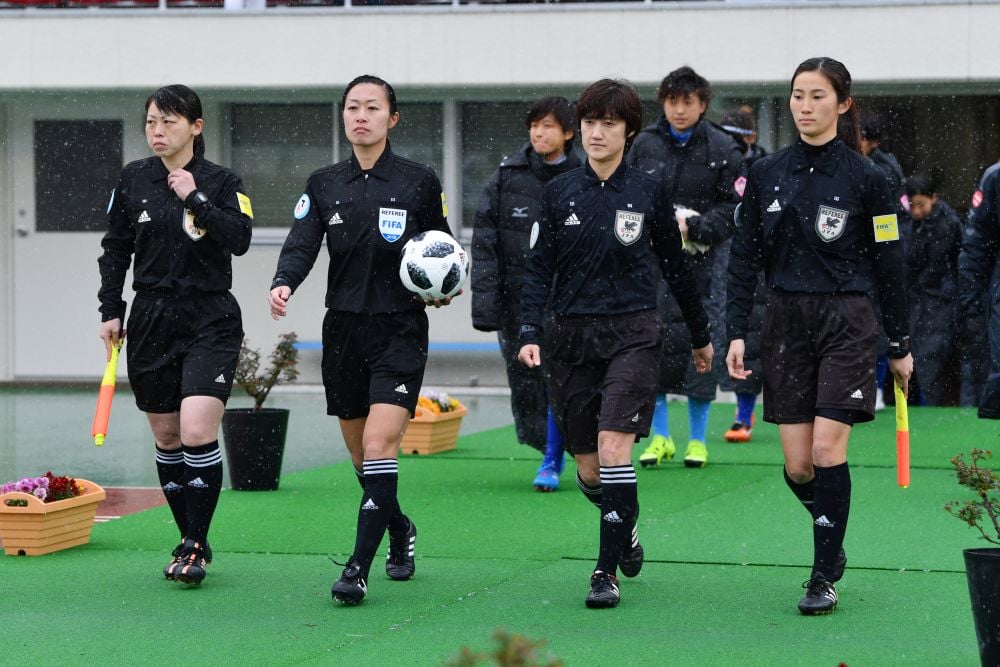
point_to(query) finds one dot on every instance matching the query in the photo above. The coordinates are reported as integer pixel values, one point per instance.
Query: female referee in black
(820, 220)
(183, 218)
(375, 331)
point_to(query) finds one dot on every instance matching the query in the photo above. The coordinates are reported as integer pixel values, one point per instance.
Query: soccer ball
(434, 265)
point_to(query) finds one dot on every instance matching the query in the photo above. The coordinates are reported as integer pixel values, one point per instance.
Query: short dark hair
(612, 98)
(390, 93)
(180, 100)
(558, 106)
(870, 125)
(920, 184)
(682, 82)
(737, 121)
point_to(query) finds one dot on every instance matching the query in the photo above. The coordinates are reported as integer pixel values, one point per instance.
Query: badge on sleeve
(444, 206)
(628, 226)
(111, 202)
(977, 199)
(533, 238)
(740, 185)
(195, 232)
(391, 223)
(886, 228)
(302, 208)
(245, 207)
(830, 223)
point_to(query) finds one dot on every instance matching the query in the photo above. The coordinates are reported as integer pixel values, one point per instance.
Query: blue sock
(554, 444)
(881, 370)
(698, 416)
(661, 423)
(745, 404)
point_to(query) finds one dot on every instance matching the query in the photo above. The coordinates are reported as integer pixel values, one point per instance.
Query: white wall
(495, 45)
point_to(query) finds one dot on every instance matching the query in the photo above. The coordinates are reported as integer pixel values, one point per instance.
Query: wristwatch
(899, 349)
(196, 199)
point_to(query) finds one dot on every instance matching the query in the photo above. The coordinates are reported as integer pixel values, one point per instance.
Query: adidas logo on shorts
(858, 395)
(401, 389)
(221, 378)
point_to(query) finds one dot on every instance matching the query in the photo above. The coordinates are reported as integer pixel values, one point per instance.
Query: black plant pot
(255, 443)
(982, 569)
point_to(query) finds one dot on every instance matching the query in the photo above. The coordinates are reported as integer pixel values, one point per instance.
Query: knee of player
(800, 473)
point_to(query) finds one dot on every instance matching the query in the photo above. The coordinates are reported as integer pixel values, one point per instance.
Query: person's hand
(112, 335)
(681, 214)
(437, 303)
(182, 183)
(902, 369)
(734, 360)
(277, 301)
(530, 355)
(703, 358)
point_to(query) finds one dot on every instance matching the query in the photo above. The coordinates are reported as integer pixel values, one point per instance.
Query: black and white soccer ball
(434, 265)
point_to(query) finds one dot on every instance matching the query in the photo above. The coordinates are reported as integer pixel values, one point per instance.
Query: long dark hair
(848, 125)
(390, 93)
(179, 100)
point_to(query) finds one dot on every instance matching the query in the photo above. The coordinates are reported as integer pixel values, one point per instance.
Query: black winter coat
(932, 267)
(706, 174)
(511, 203)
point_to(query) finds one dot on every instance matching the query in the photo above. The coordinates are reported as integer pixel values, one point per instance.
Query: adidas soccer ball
(434, 265)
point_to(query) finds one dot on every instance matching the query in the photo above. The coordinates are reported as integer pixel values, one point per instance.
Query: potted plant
(435, 424)
(255, 437)
(39, 515)
(982, 565)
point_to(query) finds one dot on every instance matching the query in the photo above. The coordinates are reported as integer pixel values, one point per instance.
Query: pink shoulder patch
(905, 201)
(977, 198)
(740, 184)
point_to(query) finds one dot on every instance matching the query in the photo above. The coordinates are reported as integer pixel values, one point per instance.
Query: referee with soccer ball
(820, 220)
(375, 330)
(606, 236)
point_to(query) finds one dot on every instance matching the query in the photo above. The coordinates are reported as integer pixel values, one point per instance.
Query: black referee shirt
(601, 247)
(367, 217)
(818, 220)
(178, 252)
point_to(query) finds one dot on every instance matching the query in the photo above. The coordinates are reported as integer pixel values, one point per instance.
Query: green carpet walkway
(727, 548)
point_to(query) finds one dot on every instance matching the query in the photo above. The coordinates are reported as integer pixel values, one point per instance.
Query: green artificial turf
(727, 548)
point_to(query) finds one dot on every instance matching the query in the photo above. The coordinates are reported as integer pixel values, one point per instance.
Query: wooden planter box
(41, 528)
(429, 433)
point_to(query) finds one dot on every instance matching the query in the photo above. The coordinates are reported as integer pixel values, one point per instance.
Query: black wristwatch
(196, 199)
(899, 349)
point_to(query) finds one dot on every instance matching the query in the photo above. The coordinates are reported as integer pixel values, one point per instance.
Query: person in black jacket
(702, 167)
(510, 204)
(606, 236)
(932, 264)
(871, 139)
(375, 331)
(977, 266)
(740, 125)
(821, 222)
(182, 218)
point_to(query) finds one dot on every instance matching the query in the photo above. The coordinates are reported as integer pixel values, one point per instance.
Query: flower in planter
(47, 488)
(438, 402)
(985, 484)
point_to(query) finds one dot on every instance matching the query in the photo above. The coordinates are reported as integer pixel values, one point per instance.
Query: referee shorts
(371, 359)
(603, 374)
(180, 347)
(818, 353)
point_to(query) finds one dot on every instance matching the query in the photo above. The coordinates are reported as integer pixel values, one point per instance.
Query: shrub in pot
(255, 437)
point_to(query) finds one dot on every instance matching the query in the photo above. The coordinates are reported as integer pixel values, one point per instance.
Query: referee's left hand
(902, 369)
(703, 358)
(437, 303)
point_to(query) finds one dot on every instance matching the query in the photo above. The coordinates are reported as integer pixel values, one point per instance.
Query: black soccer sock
(170, 470)
(831, 507)
(619, 509)
(203, 482)
(804, 492)
(593, 494)
(378, 505)
(398, 523)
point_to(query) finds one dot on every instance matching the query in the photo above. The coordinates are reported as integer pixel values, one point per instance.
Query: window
(77, 162)
(274, 149)
(490, 130)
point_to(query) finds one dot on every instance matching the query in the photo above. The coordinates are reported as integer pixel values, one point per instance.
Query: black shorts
(818, 352)
(180, 347)
(371, 359)
(603, 375)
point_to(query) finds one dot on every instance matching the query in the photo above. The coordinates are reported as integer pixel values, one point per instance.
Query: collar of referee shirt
(160, 171)
(616, 181)
(382, 169)
(824, 158)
